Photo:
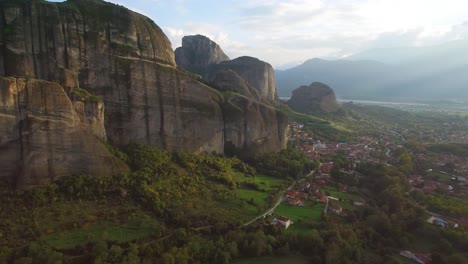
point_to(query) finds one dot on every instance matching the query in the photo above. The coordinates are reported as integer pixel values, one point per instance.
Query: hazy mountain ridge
(412, 73)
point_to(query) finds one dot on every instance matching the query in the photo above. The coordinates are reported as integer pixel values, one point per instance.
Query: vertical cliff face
(83, 36)
(43, 137)
(91, 70)
(254, 127)
(251, 123)
(198, 53)
(120, 56)
(162, 106)
(256, 73)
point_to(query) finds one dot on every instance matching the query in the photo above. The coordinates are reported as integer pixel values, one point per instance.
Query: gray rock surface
(256, 73)
(198, 53)
(126, 60)
(42, 136)
(315, 98)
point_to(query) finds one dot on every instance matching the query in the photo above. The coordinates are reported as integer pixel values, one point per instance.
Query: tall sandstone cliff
(125, 59)
(198, 53)
(46, 135)
(314, 99)
(252, 122)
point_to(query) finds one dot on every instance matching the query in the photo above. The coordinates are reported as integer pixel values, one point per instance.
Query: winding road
(280, 199)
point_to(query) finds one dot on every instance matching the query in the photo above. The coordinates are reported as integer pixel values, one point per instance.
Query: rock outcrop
(44, 137)
(97, 50)
(120, 56)
(198, 53)
(256, 73)
(202, 56)
(251, 123)
(313, 99)
(254, 127)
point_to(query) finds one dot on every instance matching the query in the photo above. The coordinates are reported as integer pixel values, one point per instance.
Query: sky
(288, 32)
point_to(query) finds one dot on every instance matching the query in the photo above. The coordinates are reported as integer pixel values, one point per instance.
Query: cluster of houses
(366, 148)
(372, 149)
(458, 174)
(446, 222)
(304, 190)
(419, 183)
(455, 185)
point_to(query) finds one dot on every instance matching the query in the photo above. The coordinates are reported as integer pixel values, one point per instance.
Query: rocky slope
(315, 98)
(198, 53)
(93, 50)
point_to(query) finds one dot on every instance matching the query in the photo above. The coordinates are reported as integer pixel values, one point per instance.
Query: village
(314, 191)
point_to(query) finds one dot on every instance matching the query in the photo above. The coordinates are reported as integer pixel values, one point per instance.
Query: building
(336, 209)
(437, 221)
(283, 221)
(359, 202)
(296, 202)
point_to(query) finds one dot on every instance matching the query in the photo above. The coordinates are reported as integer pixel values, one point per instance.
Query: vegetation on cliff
(83, 95)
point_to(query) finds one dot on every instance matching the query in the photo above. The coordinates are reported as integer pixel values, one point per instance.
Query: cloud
(231, 47)
(181, 6)
(283, 31)
(403, 38)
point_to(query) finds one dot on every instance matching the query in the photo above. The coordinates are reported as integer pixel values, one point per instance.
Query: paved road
(325, 210)
(280, 199)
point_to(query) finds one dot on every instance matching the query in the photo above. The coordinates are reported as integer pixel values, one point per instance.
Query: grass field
(274, 260)
(295, 213)
(82, 236)
(342, 195)
(257, 196)
(268, 182)
(243, 205)
(264, 182)
(265, 187)
(66, 229)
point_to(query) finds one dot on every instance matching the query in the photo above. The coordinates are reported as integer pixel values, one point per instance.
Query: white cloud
(284, 31)
(231, 47)
(303, 29)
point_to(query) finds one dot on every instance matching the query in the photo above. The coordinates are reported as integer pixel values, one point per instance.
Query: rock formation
(120, 56)
(251, 123)
(97, 50)
(254, 127)
(198, 53)
(315, 98)
(257, 73)
(46, 136)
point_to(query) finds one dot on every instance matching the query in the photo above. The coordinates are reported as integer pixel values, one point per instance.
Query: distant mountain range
(436, 72)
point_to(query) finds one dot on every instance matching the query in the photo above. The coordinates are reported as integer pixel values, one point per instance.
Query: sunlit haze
(287, 32)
